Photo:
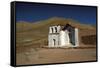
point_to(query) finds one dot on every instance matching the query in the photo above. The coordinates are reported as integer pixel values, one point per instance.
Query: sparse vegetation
(30, 37)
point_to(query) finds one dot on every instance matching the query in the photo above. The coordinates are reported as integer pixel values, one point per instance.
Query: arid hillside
(31, 37)
(29, 33)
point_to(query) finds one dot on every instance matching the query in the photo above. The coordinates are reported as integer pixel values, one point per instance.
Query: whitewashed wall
(64, 38)
(76, 37)
(59, 38)
(51, 42)
(53, 35)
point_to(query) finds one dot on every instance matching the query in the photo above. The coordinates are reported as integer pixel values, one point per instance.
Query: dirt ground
(31, 55)
(31, 37)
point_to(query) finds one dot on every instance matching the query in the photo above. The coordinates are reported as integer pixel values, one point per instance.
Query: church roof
(68, 27)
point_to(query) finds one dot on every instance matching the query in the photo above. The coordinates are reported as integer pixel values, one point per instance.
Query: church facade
(60, 36)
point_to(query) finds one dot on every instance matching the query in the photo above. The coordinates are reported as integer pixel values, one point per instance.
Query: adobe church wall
(87, 37)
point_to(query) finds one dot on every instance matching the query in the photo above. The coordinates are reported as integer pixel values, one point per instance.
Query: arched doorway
(54, 42)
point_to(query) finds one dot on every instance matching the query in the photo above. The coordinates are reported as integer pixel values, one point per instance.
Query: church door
(54, 41)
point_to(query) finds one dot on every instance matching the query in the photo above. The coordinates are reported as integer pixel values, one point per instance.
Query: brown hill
(22, 25)
(37, 33)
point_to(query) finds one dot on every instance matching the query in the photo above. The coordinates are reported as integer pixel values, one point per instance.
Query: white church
(60, 36)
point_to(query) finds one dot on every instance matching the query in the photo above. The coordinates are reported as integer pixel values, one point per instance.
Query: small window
(52, 30)
(56, 29)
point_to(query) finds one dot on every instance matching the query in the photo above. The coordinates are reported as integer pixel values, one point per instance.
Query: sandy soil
(56, 55)
(30, 37)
